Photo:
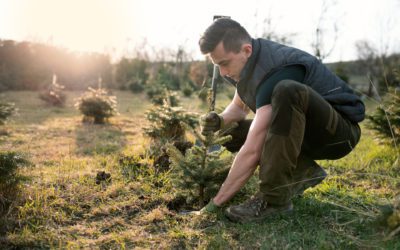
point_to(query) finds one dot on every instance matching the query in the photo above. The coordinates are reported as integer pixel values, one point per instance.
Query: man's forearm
(246, 161)
(242, 169)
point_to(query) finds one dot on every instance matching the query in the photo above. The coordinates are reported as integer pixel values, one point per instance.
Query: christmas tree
(165, 120)
(54, 95)
(6, 110)
(199, 173)
(165, 127)
(386, 118)
(96, 105)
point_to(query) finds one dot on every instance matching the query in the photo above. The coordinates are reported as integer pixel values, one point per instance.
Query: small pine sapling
(54, 95)
(9, 177)
(198, 173)
(97, 105)
(386, 118)
(6, 110)
(165, 122)
(165, 127)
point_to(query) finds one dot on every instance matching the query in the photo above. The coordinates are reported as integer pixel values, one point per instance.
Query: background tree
(6, 110)
(96, 105)
(9, 178)
(267, 29)
(27, 65)
(367, 59)
(321, 48)
(386, 118)
(165, 126)
(132, 74)
(54, 95)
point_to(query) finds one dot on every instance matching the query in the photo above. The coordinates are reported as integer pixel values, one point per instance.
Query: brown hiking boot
(312, 179)
(255, 209)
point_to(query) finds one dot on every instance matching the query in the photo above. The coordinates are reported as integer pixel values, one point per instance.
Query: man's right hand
(211, 123)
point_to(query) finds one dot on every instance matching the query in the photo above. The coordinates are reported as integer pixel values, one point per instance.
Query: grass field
(61, 206)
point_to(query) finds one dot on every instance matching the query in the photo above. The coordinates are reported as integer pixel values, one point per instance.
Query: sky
(120, 27)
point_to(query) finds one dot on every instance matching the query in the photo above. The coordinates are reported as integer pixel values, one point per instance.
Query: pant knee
(290, 92)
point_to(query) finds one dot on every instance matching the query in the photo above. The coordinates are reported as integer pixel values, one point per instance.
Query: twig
(393, 233)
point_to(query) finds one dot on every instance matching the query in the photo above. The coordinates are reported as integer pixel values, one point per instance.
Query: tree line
(31, 66)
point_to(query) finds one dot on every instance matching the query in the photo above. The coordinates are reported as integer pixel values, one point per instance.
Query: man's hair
(230, 32)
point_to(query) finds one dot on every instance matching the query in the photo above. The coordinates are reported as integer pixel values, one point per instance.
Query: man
(303, 112)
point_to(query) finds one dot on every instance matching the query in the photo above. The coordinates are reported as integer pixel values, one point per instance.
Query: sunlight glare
(78, 25)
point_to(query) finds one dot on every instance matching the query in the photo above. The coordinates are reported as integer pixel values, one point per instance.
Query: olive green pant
(303, 128)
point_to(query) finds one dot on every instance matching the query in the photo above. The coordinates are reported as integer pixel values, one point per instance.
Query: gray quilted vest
(268, 57)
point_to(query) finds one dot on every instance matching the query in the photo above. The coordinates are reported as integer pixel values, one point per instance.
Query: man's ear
(248, 49)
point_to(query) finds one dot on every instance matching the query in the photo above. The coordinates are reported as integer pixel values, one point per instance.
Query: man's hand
(211, 123)
(210, 208)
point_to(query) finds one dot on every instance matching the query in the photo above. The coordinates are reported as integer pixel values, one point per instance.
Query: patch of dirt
(180, 203)
(102, 176)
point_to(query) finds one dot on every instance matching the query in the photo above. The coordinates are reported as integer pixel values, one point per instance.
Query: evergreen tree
(198, 173)
(6, 110)
(54, 95)
(165, 120)
(9, 178)
(386, 118)
(165, 127)
(97, 105)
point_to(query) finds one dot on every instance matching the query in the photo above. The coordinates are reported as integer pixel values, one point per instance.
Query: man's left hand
(210, 208)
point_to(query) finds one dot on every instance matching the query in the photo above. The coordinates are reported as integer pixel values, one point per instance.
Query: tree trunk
(201, 196)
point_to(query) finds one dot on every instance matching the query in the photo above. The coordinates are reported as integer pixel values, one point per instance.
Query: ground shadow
(92, 139)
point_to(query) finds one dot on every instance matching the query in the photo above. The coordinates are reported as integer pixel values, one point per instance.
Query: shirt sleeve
(264, 91)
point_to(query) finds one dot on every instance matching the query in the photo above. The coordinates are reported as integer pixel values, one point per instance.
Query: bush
(187, 91)
(341, 72)
(159, 95)
(386, 118)
(54, 95)
(9, 179)
(156, 94)
(96, 105)
(6, 110)
(136, 87)
(166, 78)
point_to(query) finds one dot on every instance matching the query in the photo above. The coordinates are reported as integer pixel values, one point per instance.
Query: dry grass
(61, 206)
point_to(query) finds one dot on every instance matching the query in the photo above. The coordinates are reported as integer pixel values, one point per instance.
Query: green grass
(61, 206)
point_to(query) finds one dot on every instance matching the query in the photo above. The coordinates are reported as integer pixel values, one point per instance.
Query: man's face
(230, 63)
